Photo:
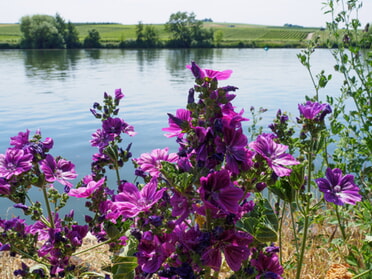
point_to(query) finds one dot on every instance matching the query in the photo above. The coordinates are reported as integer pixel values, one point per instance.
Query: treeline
(44, 31)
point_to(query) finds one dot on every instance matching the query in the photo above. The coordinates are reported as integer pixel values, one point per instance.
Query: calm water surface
(53, 91)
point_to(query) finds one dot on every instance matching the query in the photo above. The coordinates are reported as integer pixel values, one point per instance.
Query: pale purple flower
(151, 162)
(132, 201)
(90, 186)
(217, 191)
(338, 188)
(274, 154)
(311, 110)
(15, 162)
(59, 170)
(203, 73)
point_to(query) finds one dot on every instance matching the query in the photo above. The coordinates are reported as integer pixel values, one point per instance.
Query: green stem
(306, 215)
(303, 247)
(94, 246)
(51, 220)
(362, 274)
(280, 233)
(117, 174)
(294, 229)
(340, 223)
(28, 256)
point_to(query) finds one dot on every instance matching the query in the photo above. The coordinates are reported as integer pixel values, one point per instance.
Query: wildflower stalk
(23, 253)
(294, 228)
(95, 246)
(362, 274)
(340, 224)
(280, 232)
(45, 194)
(306, 213)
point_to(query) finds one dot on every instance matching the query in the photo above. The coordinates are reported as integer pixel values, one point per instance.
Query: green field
(234, 34)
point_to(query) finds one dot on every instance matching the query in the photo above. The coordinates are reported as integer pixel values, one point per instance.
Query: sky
(308, 13)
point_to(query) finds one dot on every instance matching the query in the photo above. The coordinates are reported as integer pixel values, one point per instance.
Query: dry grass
(92, 261)
(322, 260)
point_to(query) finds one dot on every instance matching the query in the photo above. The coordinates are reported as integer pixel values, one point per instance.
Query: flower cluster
(27, 163)
(193, 211)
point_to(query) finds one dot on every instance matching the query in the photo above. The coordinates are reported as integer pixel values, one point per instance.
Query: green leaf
(124, 267)
(266, 234)
(261, 223)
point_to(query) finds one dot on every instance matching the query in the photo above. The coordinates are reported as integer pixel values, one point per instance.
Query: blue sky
(267, 12)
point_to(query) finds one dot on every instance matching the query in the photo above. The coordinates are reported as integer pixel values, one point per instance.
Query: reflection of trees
(147, 56)
(50, 64)
(93, 53)
(177, 59)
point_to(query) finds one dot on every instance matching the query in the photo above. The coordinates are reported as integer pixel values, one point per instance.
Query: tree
(139, 33)
(93, 39)
(40, 31)
(151, 36)
(44, 31)
(72, 36)
(187, 31)
(146, 35)
(218, 37)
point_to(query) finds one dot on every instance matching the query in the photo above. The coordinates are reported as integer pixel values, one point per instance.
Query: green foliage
(186, 31)
(225, 34)
(43, 31)
(124, 267)
(261, 222)
(93, 40)
(147, 36)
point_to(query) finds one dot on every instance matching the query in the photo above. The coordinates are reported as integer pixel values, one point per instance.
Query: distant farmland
(233, 34)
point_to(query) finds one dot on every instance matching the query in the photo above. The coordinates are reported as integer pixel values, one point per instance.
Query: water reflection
(50, 64)
(94, 54)
(147, 56)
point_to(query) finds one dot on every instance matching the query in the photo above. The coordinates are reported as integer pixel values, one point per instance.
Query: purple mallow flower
(14, 162)
(58, 170)
(116, 125)
(151, 162)
(233, 145)
(314, 110)
(90, 186)
(178, 123)
(268, 266)
(21, 141)
(337, 188)
(4, 186)
(203, 73)
(234, 246)
(218, 192)
(118, 94)
(274, 154)
(132, 201)
(101, 139)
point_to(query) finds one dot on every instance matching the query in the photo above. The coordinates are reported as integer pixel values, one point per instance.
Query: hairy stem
(51, 220)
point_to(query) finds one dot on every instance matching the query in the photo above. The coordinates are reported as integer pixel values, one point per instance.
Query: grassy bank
(234, 35)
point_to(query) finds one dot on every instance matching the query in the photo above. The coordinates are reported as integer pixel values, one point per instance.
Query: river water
(53, 90)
